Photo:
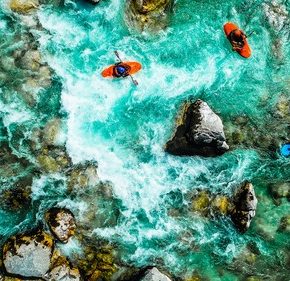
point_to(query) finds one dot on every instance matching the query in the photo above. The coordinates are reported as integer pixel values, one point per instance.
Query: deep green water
(125, 128)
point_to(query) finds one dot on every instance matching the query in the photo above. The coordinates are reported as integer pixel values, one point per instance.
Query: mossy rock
(23, 6)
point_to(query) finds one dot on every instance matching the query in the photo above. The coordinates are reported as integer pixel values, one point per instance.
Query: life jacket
(238, 42)
(121, 70)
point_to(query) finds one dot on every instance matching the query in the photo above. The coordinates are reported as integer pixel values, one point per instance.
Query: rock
(276, 14)
(82, 175)
(51, 133)
(283, 106)
(244, 207)
(17, 197)
(31, 60)
(94, 2)
(23, 6)
(98, 262)
(61, 269)
(284, 224)
(201, 202)
(53, 159)
(65, 273)
(28, 255)
(200, 132)
(61, 223)
(221, 204)
(279, 191)
(148, 14)
(154, 275)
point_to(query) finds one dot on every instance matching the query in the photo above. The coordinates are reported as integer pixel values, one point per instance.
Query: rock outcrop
(28, 255)
(200, 132)
(61, 223)
(154, 275)
(245, 204)
(148, 14)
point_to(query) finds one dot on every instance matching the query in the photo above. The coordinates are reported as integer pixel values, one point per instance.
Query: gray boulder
(200, 132)
(28, 255)
(245, 204)
(154, 275)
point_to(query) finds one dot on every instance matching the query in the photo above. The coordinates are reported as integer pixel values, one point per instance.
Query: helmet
(238, 33)
(121, 69)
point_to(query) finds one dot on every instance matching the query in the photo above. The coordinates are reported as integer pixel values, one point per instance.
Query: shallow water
(124, 128)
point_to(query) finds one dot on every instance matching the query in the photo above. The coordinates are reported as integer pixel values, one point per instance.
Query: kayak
(245, 51)
(285, 150)
(133, 68)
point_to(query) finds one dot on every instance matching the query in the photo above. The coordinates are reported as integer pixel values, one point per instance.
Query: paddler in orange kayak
(238, 39)
(121, 70)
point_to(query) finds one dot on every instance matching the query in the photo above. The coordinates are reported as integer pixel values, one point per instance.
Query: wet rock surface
(82, 176)
(154, 275)
(62, 269)
(150, 15)
(61, 223)
(23, 6)
(245, 204)
(200, 132)
(28, 255)
(284, 224)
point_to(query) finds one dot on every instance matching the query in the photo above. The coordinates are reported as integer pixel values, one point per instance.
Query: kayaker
(237, 37)
(285, 149)
(121, 70)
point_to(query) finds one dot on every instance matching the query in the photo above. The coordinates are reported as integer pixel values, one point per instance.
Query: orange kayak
(245, 51)
(133, 68)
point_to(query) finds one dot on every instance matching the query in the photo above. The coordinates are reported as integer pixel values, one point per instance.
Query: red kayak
(133, 67)
(244, 51)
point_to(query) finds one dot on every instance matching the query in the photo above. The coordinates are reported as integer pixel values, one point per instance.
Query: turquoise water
(124, 128)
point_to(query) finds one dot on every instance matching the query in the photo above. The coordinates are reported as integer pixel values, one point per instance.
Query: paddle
(250, 34)
(133, 80)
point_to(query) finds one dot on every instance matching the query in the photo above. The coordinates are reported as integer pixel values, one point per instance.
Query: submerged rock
(61, 223)
(82, 175)
(276, 14)
(279, 191)
(245, 204)
(98, 263)
(285, 224)
(148, 14)
(23, 6)
(154, 275)
(200, 132)
(28, 255)
(18, 196)
(53, 159)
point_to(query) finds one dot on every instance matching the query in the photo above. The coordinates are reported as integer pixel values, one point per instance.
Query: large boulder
(154, 275)
(61, 223)
(200, 132)
(28, 255)
(244, 206)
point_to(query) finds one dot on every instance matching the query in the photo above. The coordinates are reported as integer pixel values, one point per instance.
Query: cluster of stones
(34, 254)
